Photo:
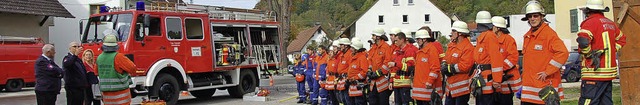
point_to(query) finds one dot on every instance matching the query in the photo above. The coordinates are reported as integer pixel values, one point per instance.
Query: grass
(572, 95)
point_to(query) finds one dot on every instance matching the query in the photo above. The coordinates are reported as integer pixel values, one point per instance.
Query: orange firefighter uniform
(380, 54)
(489, 60)
(543, 52)
(332, 72)
(427, 73)
(343, 67)
(357, 72)
(509, 51)
(460, 55)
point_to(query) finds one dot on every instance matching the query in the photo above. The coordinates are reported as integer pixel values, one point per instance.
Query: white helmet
(357, 45)
(344, 41)
(483, 17)
(395, 31)
(335, 43)
(421, 34)
(534, 6)
(595, 5)
(355, 39)
(499, 22)
(460, 27)
(407, 33)
(378, 32)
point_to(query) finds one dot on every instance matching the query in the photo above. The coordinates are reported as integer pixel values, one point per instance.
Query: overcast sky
(248, 4)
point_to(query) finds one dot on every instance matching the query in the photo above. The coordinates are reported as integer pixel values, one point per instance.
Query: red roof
(301, 39)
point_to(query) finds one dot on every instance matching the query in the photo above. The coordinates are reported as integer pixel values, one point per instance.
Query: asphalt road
(281, 94)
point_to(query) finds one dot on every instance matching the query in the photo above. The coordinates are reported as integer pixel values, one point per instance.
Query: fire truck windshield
(121, 23)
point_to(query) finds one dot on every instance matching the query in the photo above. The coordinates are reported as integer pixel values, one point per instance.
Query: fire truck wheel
(14, 85)
(203, 94)
(247, 84)
(166, 88)
(573, 76)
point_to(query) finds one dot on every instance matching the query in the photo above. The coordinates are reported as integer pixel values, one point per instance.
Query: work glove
(371, 75)
(447, 70)
(410, 70)
(549, 95)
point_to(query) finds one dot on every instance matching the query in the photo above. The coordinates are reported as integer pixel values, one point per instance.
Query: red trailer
(17, 59)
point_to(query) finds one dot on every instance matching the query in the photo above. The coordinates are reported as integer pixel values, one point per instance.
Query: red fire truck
(17, 59)
(195, 48)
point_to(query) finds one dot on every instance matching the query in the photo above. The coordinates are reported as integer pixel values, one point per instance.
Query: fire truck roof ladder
(4, 39)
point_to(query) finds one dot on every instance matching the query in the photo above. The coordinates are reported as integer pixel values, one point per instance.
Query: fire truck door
(149, 43)
(198, 45)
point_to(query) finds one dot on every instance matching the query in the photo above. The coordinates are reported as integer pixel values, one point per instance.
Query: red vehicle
(200, 52)
(17, 59)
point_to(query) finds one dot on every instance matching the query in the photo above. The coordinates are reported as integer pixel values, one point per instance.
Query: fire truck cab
(185, 47)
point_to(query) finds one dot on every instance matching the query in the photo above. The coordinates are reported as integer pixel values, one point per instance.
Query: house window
(427, 18)
(405, 19)
(410, 2)
(574, 20)
(94, 8)
(380, 19)
(194, 28)
(174, 28)
(395, 3)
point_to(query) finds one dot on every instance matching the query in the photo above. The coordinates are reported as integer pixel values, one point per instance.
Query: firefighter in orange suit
(458, 63)
(488, 60)
(599, 41)
(544, 54)
(379, 55)
(427, 79)
(511, 78)
(402, 69)
(332, 74)
(435, 42)
(344, 55)
(321, 74)
(357, 74)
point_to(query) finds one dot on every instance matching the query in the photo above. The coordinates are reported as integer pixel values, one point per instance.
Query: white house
(403, 14)
(304, 39)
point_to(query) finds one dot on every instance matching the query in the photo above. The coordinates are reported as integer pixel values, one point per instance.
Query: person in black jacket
(75, 75)
(48, 76)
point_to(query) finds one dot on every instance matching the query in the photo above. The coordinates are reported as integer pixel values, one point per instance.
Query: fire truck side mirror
(147, 20)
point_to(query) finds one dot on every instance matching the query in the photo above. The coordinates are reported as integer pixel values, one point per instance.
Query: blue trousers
(345, 97)
(332, 98)
(460, 100)
(402, 96)
(313, 85)
(302, 92)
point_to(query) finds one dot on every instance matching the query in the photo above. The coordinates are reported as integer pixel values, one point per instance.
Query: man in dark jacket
(75, 79)
(48, 76)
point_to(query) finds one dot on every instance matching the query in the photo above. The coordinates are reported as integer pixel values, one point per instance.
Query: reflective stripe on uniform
(459, 90)
(456, 66)
(606, 45)
(464, 82)
(434, 75)
(531, 97)
(116, 96)
(555, 63)
(587, 32)
(512, 88)
(487, 87)
(497, 69)
(114, 86)
(117, 102)
(385, 67)
(116, 80)
(512, 81)
(360, 76)
(508, 62)
(420, 95)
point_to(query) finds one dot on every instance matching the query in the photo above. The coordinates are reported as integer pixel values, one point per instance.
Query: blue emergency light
(140, 5)
(104, 9)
